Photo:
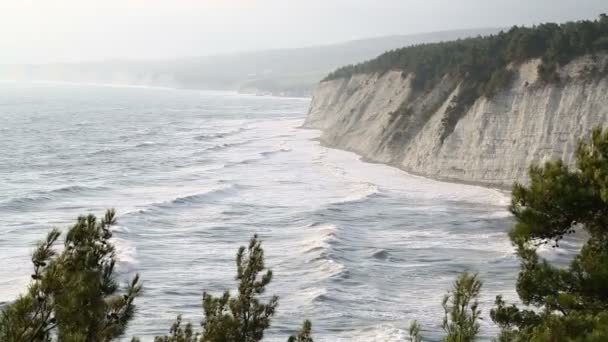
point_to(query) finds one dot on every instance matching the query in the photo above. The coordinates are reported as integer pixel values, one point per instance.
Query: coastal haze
(87, 30)
(284, 72)
(260, 47)
(155, 108)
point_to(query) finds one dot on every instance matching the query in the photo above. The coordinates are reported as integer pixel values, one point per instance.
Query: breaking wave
(40, 197)
(219, 135)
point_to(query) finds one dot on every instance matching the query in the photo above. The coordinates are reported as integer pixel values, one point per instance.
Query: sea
(360, 249)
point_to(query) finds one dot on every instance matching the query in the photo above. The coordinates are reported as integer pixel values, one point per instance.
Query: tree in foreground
(304, 335)
(242, 317)
(571, 303)
(461, 311)
(73, 295)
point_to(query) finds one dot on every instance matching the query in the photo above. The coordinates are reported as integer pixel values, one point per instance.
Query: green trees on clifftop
(74, 297)
(480, 66)
(482, 60)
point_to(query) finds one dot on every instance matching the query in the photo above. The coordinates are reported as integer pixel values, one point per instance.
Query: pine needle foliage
(572, 302)
(482, 60)
(239, 317)
(180, 333)
(242, 317)
(462, 309)
(304, 334)
(415, 332)
(73, 295)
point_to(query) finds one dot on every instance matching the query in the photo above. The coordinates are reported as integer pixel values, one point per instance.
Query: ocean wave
(207, 196)
(224, 146)
(106, 150)
(363, 192)
(244, 161)
(214, 193)
(71, 189)
(318, 249)
(322, 235)
(200, 197)
(379, 333)
(126, 254)
(330, 267)
(380, 254)
(248, 161)
(320, 155)
(270, 153)
(26, 200)
(219, 135)
(49, 195)
(146, 144)
(312, 294)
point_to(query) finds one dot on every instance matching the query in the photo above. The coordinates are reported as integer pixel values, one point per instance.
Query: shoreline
(492, 186)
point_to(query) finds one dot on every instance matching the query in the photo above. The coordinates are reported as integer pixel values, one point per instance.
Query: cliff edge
(381, 116)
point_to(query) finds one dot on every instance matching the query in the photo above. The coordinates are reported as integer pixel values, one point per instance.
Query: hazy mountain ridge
(289, 72)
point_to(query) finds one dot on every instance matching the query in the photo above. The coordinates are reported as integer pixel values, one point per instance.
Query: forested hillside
(482, 61)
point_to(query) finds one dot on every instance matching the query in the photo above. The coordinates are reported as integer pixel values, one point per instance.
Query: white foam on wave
(310, 294)
(270, 153)
(320, 154)
(320, 236)
(360, 188)
(160, 202)
(146, 144)
(349, 166)
(379, 333)
(220, 134)
(359, 193)
(202, 195)
(563, 254)
(317, 247)
(226, 145)
(126, 254)
(329, 267)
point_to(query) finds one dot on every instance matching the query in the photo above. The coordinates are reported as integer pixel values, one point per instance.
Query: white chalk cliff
(493, 142)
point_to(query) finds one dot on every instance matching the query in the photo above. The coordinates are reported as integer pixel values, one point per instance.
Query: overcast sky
(33, 31)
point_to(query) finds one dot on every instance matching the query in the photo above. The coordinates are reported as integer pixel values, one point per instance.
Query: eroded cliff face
(493, 142)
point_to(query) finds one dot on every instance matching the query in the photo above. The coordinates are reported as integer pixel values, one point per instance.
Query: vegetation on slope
(73, 295)
(480, 66)
(483, 60)
(563, 304)
(572, 303)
